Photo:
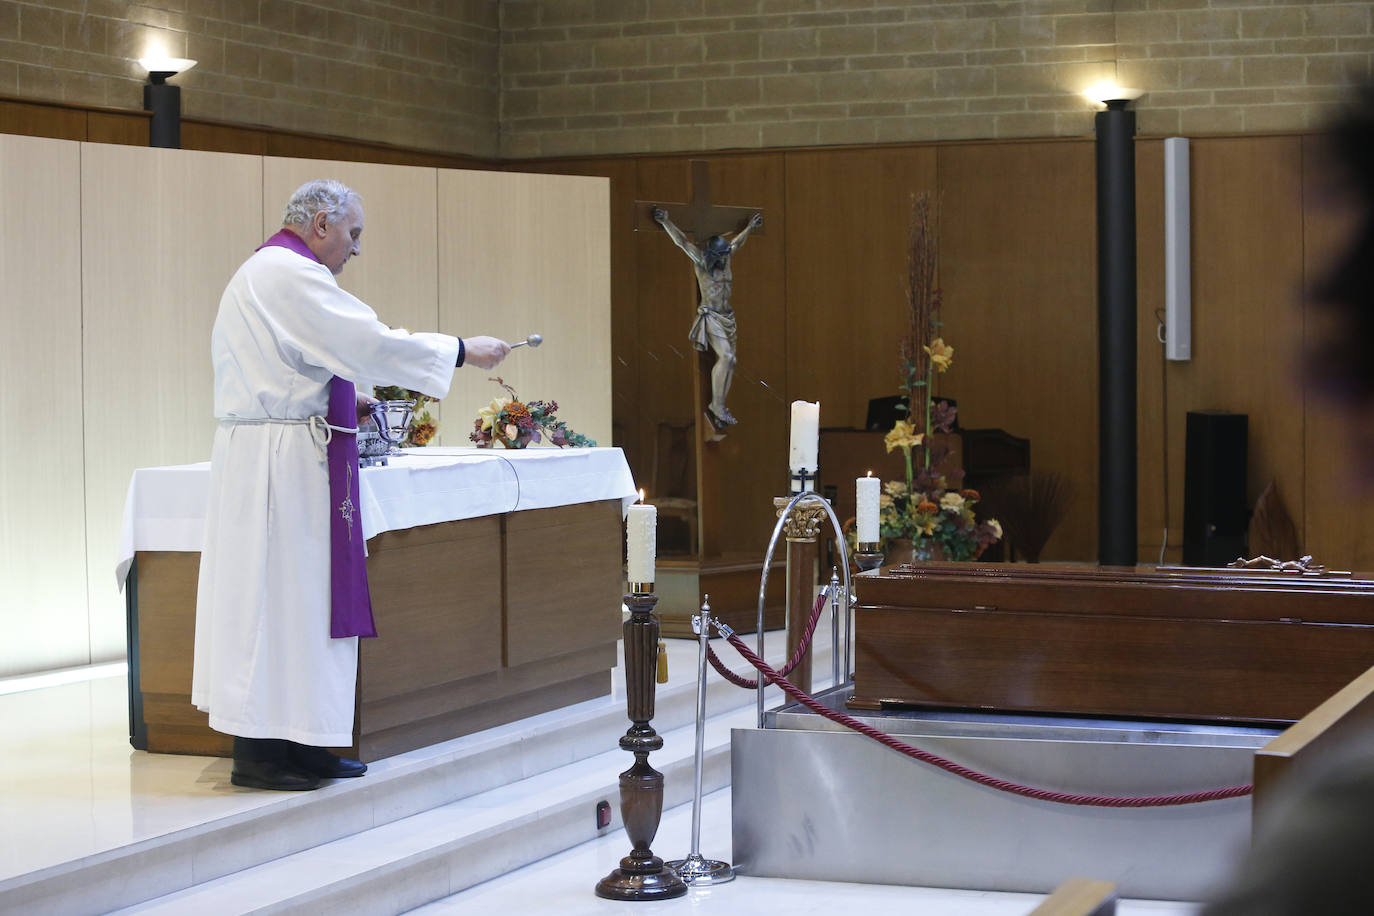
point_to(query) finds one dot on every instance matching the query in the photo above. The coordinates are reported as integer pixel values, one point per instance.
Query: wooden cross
(700, 219)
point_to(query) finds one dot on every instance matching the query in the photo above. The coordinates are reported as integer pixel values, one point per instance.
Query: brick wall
(528, 78)
(614, 76)
(417, 73)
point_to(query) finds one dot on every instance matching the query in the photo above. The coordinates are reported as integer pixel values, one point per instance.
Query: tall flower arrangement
(929, 507)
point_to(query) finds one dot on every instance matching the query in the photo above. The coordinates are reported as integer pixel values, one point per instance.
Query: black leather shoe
(324, 764)
(270, 774)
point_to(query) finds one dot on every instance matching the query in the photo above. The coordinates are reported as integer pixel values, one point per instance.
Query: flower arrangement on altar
(929, 507)
(509, 422)
(423, 426)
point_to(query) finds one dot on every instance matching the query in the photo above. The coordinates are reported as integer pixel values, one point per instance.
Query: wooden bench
(1080, 897)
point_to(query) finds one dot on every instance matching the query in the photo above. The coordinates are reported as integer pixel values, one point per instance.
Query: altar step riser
(472, 777)
(405, 864)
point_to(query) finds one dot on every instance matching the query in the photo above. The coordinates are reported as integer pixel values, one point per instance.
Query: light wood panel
(518, 254)
(397, 271)
(162, 231)
(1018, 272)
(1337, 504)
(847, 241)
(625, 318)
(42, 514)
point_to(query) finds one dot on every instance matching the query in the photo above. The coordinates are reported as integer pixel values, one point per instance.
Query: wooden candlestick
(641, 875)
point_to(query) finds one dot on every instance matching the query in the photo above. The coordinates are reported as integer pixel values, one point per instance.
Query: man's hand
(365, 402)
(485, 352)
(756, 221)
(660, 214)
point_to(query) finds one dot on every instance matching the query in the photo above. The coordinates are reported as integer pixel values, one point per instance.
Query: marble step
(395, 790)
(407, 863)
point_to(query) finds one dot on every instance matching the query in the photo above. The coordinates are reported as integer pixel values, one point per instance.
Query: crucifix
(709, 234)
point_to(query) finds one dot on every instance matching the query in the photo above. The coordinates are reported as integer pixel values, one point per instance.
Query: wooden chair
(672, 481)
(1340, 724)
(1079, 897)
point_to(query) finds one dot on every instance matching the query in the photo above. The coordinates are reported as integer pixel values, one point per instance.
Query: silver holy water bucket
(391, 420)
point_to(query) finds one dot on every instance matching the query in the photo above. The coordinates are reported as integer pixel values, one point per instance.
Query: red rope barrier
(740, 680)
(1062, 798)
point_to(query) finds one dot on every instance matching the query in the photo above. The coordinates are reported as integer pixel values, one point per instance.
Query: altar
(496, 584)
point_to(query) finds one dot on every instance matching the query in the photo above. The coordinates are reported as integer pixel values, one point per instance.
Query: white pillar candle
(866, 495)
(806, 424)
(641, 524)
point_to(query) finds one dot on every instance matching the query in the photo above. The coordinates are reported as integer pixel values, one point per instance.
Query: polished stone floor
(73, 787)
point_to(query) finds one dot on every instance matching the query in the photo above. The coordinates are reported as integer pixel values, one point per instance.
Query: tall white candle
(641, 524)
(866, 495)
(806, 426)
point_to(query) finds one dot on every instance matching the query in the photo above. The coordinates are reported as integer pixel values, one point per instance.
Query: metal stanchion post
(695, 869)
(835, 627)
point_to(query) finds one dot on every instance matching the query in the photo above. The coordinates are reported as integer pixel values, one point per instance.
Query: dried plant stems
(923, 313)
(1031, 506)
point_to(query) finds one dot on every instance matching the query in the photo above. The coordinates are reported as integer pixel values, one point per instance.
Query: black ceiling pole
(1116, 335)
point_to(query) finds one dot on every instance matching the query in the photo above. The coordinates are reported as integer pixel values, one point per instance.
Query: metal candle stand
(869, 555)
(799, 524)
(695, 869)
(641, 875)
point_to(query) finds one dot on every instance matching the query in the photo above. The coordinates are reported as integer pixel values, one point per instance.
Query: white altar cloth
(165, 507)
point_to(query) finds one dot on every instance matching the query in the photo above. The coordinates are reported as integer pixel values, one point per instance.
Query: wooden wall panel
(42, 528)
(162, 231)
(519, 254)
(847, 241)
(1018, 271)
(663, 305)
(129, 129)
(38, 120)
(1337, 503)
(223, 138)
(751, 459)
(397, 271)
(1153, 437)
(1247, 323)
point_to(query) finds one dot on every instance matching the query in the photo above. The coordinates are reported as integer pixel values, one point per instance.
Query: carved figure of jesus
(714, 328)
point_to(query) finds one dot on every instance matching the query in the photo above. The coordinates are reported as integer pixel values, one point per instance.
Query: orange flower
(421, 433)
(970, 494)
(927, 508)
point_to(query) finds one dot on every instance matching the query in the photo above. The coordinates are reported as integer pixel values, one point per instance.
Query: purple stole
(350, 612)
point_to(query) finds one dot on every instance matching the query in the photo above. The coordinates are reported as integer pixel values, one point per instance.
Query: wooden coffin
(1176, 643)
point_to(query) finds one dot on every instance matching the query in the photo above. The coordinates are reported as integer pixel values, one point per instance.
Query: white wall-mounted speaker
(1178, 273)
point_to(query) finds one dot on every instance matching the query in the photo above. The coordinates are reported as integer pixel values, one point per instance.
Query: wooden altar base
(732, 583)
(1175, 643)
(482, 621)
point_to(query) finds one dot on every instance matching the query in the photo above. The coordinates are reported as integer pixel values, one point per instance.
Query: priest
(282, 597)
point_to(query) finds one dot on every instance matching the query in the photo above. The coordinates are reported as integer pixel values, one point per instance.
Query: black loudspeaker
(1215, 515)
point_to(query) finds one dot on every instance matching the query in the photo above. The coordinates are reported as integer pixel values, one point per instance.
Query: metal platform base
(813, 800)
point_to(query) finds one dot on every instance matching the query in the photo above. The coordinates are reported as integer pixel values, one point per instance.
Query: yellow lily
(941, 353)
(492, 411)
(903, 435)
